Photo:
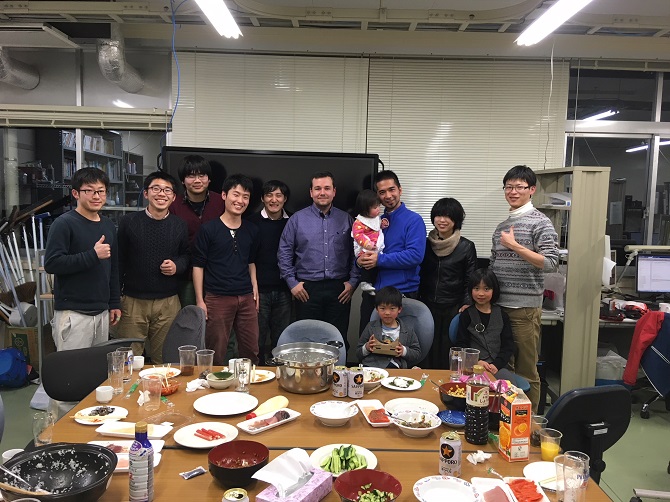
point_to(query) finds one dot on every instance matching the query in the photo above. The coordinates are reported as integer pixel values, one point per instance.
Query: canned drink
(235, 495)
(450, 454)
(340, 380)
(355, 383)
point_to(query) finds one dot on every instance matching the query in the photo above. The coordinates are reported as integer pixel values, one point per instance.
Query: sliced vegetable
(343, 459)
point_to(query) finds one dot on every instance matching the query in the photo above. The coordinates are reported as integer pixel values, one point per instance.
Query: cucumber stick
(343, 459)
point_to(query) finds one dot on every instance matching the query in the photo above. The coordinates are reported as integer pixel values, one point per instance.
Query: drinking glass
(550, 443)
(43, 425)
(470, 358)
(205, 358)
(115, 362)
(456, 363)
(127, 363)
(151, 391)
(537, 423)
(243, 372)
(572, 476)
(187, 359)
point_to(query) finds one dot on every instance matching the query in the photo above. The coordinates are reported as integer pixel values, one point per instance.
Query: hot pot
(305, 367)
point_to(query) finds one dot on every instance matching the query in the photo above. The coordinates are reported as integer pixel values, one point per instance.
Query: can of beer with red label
(450, 454)
(340, 379)
(355, 384)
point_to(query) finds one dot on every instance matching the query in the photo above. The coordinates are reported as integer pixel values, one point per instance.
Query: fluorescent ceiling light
(121, 104)
(601, 115)
(557, 14)
(645, 147)
(220, 17)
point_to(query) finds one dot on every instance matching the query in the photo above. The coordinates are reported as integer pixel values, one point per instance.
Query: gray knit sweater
(522, 284)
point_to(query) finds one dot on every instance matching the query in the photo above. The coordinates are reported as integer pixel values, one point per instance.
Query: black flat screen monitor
(653, 273)
(352, 171)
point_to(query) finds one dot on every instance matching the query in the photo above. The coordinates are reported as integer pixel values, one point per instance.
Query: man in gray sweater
(525, 247)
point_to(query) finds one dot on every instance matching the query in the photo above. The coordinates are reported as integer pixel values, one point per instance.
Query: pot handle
(335, 343)
(276, 362)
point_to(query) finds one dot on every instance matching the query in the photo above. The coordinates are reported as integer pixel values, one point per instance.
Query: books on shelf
(69, 139)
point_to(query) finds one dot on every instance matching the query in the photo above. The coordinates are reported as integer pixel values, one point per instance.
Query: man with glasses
(81, 252)
(525, 247)
(196, 206)
(153, 256)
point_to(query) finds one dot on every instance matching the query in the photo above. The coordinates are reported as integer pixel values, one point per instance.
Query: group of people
(254, 275)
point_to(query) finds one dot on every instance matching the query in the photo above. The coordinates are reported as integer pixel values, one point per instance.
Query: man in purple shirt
(316, 258)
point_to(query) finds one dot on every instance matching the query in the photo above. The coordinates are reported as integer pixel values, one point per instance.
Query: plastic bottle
(477, 407)
(141, 466)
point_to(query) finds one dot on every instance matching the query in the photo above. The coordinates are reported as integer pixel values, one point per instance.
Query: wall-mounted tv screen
(352, 171)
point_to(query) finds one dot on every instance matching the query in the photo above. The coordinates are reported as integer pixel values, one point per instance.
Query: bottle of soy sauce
(141, 466)
(477, 407)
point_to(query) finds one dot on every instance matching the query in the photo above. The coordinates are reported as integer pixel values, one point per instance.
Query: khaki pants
(72, 330)
(148, 319)
(526, 330)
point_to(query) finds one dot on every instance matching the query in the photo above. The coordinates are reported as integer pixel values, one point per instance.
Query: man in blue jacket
(405, 244)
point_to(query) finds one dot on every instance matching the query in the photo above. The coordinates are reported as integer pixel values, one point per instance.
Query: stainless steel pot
(305, 367)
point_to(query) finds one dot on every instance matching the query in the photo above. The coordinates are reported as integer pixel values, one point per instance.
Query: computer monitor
(653, 273)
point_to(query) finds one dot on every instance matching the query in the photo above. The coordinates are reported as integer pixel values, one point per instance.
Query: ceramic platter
(262, 376)
(543, 473)
(537, 486)
(123, 447)
(223, 404)
(321, 453)
(396, 383)
(84, 416)
(127, 430)
(160, 370)
(411, 403)
(452, 418)
(441, 488)
(255, 425)
(484, 485)
(186, 435)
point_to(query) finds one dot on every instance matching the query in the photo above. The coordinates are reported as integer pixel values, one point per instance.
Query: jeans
(274, 315)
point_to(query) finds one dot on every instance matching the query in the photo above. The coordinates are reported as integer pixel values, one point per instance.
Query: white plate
(123, 461)
(441, 488)
(127, 430)
(411, 403)
(160, 370)
(539, 490)
(320, 453)
(118, 414)
(247, 425)
(122, 447)
(366, 406)
(414, 384)
(369, 385)
(223, 404)
(186, 435)
(262, 376)
(486, 484)
(539, 471)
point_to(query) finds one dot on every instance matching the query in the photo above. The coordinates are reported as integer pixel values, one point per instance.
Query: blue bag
(13, 368)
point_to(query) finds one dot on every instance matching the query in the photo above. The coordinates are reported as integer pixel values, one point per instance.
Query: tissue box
(515, 413)
(319, 485)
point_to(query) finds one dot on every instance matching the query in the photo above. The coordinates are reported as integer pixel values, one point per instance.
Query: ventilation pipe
(113, 65)
(16, 73)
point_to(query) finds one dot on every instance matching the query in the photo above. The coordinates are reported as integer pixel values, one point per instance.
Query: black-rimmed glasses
(87, 191)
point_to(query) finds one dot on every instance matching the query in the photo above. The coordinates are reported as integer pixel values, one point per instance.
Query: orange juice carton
(515, 413)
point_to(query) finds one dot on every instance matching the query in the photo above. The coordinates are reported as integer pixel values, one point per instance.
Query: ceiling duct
(113, 65)
(16, 73)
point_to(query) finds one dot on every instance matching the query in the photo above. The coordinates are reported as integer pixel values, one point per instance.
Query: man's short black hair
(386, 175)
(524, 173)
(488, 277)
(366, 200)
(237, 179)
(160, 175)
(88, 176)
(451, 208)
(388, 296)
(194, 164)
(322, 174)
(272, 185)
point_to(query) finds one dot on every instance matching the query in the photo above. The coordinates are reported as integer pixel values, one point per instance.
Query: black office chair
(592, 419)
(417, 315)
(188, 328)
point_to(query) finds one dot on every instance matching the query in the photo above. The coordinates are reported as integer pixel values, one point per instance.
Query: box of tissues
(293, 479)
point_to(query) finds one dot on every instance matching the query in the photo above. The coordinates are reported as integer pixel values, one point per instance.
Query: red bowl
(348, 484)
(233, 463)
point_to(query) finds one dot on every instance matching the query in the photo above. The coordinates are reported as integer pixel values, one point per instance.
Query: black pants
(323, 305)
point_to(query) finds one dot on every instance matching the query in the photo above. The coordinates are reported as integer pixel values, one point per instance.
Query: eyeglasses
(515, 188)
(156, 190)
(87, 191)
(192, 177)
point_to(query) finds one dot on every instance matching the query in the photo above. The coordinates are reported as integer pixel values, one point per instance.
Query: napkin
(143, 397)
(198, 383)
(478, 457)
(288, 472)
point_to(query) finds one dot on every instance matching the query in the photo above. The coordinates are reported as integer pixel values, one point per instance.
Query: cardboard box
(515, 414)
(24, 339)
(386, 349)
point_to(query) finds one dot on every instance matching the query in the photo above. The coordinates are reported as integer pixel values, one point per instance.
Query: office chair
(592, 419)
(188, 328)
(503, 373)
(417, 315)
(312, 330)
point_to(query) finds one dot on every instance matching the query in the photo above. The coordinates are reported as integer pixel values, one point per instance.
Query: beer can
(340, 379)
(235, 495)
(355, 383)
(450, 454)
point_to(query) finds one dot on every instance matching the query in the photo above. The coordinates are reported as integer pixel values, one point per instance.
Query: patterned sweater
(522, 284)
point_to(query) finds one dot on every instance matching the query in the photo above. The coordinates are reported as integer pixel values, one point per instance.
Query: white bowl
(334, 413)
(411, 417)
(217, 383)
(372, 377)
